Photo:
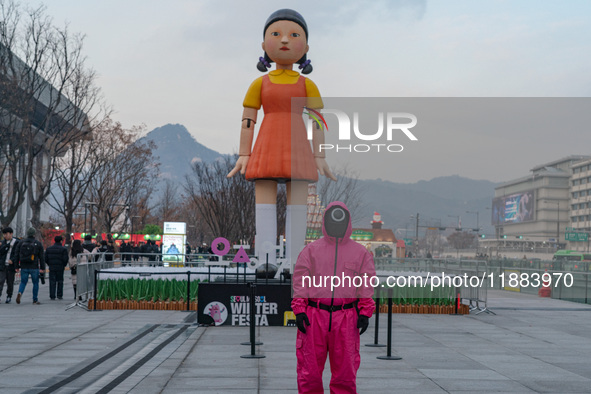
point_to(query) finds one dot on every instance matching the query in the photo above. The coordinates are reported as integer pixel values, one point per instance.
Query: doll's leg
(296, 218)
(266, 218)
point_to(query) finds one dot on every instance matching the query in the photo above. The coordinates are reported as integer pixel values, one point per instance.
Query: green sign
(407, 241)
(360, 235)
(576, 237)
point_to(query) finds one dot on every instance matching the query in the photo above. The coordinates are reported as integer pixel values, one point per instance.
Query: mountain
(434, 200)
(176, 149)
(455, 187)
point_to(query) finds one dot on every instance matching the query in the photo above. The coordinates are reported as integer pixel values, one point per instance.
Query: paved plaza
(531, 345)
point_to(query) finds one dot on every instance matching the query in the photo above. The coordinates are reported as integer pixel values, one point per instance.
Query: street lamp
(416, 233)
(458, 218)
(477, 230)
(477, 214)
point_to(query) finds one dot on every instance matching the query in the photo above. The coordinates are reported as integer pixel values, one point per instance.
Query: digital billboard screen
(516, 208)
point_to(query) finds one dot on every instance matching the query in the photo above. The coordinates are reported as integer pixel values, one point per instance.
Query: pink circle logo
(215, 244)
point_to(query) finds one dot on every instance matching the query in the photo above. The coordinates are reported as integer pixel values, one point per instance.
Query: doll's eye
(295, 34)
(275, 34)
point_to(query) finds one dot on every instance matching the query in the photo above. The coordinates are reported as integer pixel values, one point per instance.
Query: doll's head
(285, 23)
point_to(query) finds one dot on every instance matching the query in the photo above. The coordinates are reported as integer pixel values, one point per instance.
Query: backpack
(107, 251)
(27, 251)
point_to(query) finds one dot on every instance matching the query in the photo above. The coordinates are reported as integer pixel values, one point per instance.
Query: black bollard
(375, 340)
(389, 355)
(252, 322)
(95, 289)
(267, 269)
(188, 291)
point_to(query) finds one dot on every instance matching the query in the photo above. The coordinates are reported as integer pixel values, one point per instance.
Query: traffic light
(504, 236)
(482, 236)
(519, 236)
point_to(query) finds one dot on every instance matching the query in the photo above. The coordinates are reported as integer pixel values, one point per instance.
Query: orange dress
(282, 151)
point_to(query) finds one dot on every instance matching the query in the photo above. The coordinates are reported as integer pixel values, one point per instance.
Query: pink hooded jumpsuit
(334, 332)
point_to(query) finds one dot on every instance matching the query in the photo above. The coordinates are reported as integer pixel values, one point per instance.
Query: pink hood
(349, 231)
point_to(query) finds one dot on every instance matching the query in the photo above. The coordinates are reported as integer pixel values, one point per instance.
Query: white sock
(296, 219)
(266, 231)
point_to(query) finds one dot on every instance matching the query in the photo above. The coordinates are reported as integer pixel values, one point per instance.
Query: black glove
(363, 323)
(42, 277)
(302, 318)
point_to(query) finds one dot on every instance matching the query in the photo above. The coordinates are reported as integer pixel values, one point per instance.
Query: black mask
(336, 221)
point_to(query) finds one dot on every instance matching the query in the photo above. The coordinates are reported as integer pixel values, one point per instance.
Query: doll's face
(285, 42)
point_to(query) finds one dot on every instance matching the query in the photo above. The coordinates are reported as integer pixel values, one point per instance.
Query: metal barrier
(171, 260)
(476, 296)
(216, 269)
(476, 293)
(86, 266)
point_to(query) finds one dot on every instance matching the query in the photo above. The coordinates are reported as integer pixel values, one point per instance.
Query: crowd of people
(28, 257)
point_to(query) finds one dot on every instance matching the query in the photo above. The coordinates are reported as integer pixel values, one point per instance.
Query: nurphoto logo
(391, 125)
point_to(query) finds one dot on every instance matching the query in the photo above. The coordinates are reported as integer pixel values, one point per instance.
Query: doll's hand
(323, 168)
(241, 164)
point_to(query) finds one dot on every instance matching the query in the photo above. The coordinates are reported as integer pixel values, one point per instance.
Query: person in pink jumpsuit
(330, 319)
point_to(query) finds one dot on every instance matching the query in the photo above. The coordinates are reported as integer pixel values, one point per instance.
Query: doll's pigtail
(305, 65)
(264, 63)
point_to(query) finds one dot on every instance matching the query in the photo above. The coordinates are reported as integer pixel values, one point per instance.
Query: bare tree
(226, 205)
(168, 206)
(73, 175)
(48, 100)
(198, 231)
(461, 240)
(346, 189)
(125, 176)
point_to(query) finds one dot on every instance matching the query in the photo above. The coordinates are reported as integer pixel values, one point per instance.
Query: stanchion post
(252, 325)
(377, 327)
(389, 355)
(586, 287)
(188, 291)
(95, 289)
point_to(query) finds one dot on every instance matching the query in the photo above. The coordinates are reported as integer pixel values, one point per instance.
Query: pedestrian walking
(56, 257)
(7, 262)
(31, 263)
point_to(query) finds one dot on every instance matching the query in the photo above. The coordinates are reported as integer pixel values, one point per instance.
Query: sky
(191, 62)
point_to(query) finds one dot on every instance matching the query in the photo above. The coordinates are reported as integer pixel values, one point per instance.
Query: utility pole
(477, 214)
(417, 237)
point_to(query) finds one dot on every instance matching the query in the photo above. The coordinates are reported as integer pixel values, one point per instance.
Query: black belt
(332, 308)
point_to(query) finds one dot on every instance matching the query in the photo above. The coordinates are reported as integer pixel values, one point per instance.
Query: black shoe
(8, 299)
(18, 298)
(60, 298)
(36, 303)
(53, 299)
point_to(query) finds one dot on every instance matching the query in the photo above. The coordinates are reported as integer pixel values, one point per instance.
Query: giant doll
(282, 152)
